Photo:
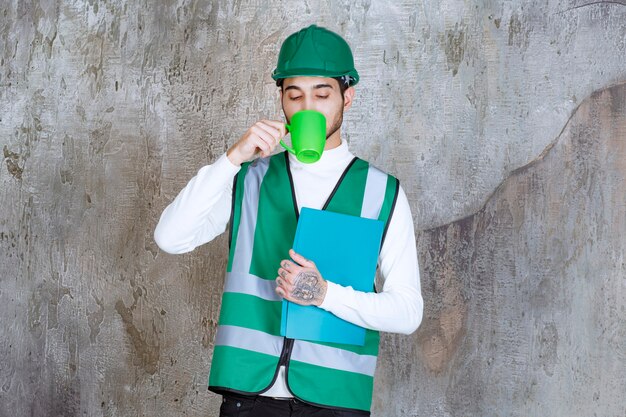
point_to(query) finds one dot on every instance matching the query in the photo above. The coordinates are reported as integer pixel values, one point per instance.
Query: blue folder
(345, 250)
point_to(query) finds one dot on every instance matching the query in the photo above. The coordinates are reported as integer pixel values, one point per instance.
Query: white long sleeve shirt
(201, 212)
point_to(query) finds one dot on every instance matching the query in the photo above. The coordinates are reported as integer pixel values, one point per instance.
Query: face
(322, 95)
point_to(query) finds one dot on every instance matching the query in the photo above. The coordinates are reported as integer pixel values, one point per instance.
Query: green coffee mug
(308, 135)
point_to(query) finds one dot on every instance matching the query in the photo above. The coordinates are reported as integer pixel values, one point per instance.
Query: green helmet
(318, 52)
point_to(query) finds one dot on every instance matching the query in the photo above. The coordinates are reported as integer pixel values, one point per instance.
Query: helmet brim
(315, 72)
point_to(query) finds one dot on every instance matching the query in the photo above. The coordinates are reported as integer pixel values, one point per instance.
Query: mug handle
(284, 145)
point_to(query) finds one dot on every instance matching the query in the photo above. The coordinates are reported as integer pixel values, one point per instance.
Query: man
(258, 372)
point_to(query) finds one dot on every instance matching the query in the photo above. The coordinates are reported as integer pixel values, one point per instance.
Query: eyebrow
(322, 86)
(315, 87)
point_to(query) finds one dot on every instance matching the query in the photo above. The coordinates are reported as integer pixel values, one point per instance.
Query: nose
(308, 104)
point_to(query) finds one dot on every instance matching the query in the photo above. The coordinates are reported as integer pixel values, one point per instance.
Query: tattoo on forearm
(307, 286)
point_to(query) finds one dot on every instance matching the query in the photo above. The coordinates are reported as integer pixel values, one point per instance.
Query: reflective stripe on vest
(249, 339)
(303, 351)
(335, 358)
(240, 282)
(248, 345)
(374, 193)
(252, 186)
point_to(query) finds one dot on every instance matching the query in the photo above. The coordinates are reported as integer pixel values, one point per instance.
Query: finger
(287, 265)
(272, 130)
(264, 136)
(280, 126)
(280, 292)
(261, 145)
(258, 141)
(283, 274)
(301, 259)
(286, 277)
(284, 285)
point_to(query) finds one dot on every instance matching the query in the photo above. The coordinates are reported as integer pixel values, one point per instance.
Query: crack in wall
(530, 164)
(619, 3)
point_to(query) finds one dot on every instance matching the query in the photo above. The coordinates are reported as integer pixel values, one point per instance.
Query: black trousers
(259, 406)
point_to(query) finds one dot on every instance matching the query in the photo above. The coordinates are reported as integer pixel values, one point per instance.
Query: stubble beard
(336, 125)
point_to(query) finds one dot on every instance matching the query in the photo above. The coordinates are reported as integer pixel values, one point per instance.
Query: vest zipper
(286, 352)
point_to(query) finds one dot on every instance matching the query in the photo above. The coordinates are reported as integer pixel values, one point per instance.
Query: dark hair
(343, 81)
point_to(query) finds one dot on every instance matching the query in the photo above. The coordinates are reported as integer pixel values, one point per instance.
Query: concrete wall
(506, 123)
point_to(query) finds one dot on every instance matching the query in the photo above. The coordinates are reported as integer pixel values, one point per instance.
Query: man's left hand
(300, 281)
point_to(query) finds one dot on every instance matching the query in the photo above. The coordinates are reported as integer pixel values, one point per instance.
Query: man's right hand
(259, 140)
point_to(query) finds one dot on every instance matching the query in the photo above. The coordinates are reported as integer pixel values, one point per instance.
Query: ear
(348, 96)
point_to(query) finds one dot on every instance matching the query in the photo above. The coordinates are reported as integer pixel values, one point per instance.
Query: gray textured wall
(506, 123)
